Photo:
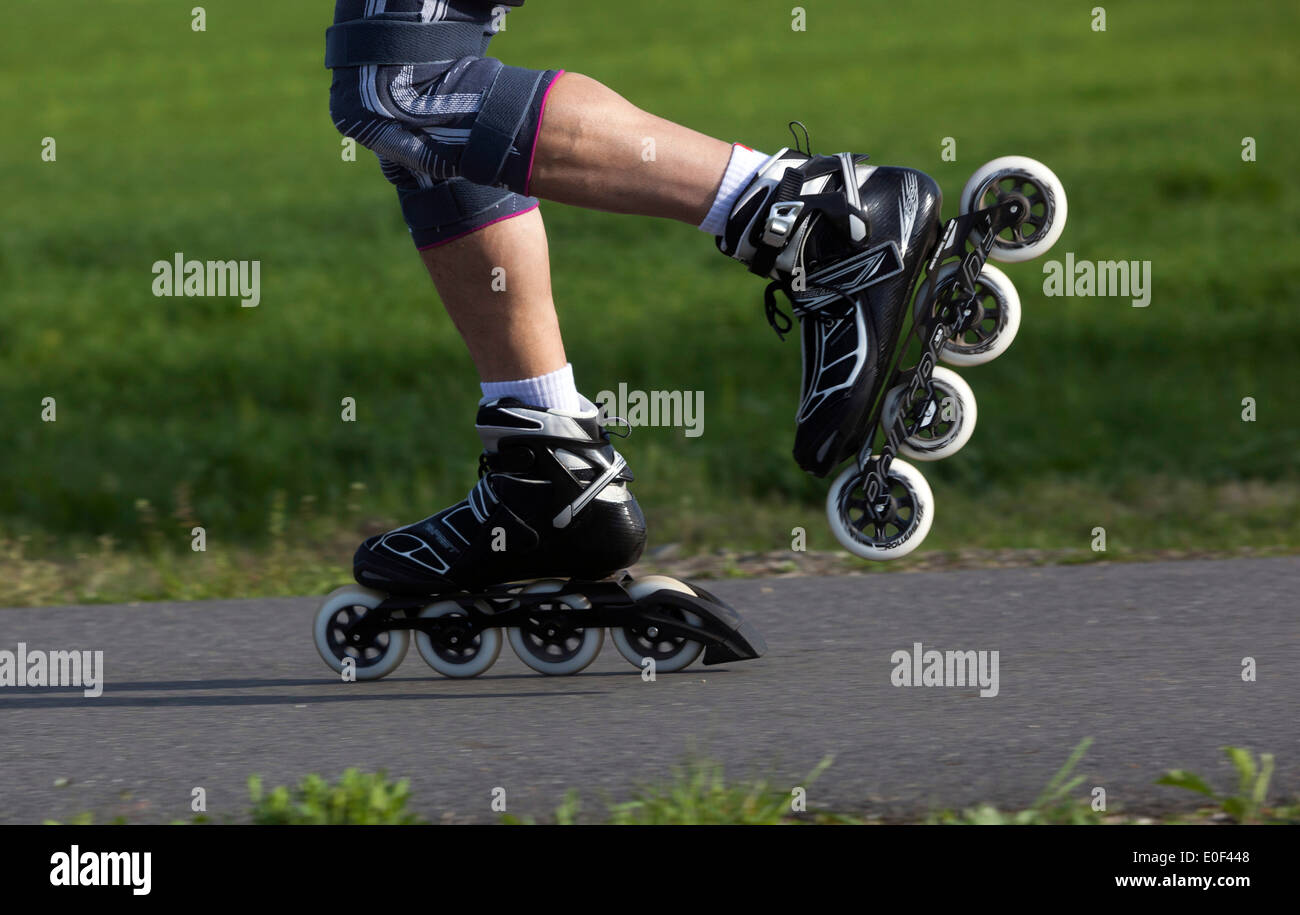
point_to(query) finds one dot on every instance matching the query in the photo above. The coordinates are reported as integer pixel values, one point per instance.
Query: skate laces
(611, 421)
(807, 141)
(841, 307)
(608, 422)
(827, 313)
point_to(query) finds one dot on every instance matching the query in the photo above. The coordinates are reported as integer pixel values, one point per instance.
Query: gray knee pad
(455, 207)
(423, 96)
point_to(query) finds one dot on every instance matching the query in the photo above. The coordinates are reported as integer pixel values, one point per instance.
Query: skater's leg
(594, 150)
(562, 136)
(496, 286)
(579, 142)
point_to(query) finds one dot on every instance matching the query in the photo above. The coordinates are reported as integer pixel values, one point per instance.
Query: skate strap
(838, 209)
(791, 181)
(593, 489)
(834, 205)
(504, 109)
(510, 459)
(367, 42)
(787, 190)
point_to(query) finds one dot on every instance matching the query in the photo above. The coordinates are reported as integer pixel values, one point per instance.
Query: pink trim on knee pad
(478, 228)
(537, 136)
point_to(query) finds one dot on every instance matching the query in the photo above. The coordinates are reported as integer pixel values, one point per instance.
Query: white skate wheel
(1041, 189)
(454, 656)
(636, 643)
(947, 421)
(899, 532)
(996, 329)
(555, 643)
(344, 606)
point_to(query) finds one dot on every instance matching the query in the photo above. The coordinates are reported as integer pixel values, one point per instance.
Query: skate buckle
(780, 222)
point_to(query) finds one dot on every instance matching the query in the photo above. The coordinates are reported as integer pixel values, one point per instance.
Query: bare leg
(592, 152)
(512, 332)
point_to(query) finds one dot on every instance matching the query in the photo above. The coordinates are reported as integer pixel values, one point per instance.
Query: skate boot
(845, 241)
(850, 245)
(551, 500)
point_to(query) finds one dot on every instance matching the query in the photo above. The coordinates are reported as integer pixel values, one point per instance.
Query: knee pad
(455, 207)
(422, 94)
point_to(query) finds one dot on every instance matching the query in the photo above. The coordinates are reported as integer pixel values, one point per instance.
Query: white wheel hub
(947, 420)
(903, 525)
(1040, 188)
(637, 643)
(343, 607)
(459, 657)
(554, 646)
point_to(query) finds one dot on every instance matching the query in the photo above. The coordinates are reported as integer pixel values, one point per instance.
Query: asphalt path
(1147, 659)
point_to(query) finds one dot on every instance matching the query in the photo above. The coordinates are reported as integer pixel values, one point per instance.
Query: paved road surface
(1145, 658)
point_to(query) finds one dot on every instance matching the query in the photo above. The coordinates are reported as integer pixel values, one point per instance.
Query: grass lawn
(173, 412)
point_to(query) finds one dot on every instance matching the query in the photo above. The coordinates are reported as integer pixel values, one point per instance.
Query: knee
(346, 111)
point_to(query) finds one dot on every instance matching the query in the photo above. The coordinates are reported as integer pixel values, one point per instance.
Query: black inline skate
(849, 244)
(552, 499)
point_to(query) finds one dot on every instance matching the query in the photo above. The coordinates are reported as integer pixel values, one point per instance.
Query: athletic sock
(554, 390)
(742, 167)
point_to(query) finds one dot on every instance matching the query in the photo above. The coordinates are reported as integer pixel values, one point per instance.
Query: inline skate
(849, 245)
(552, 499)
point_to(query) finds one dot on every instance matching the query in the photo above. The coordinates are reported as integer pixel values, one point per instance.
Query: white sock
(554, 390)
(744, 164)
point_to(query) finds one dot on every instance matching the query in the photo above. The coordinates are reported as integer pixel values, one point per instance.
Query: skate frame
(944, 318)
(725, 635)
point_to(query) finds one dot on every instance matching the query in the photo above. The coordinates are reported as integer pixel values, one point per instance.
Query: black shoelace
(842, 307)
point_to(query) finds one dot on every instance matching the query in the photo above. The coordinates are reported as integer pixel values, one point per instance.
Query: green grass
(1248, 804)
(356, 799)
(699, 793)
(219, 145)
(1057, 804)
(1044, 523)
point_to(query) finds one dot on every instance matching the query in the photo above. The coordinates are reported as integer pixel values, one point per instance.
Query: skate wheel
(1041, 190)
(554, 642)
(899, 529)
(342, 608)
(944, 423)
(461, 653)
(995, 325)
(638, 642)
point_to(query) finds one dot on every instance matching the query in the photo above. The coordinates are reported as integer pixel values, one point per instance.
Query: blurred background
(176, 412)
